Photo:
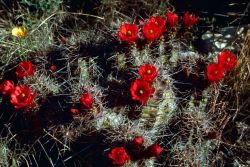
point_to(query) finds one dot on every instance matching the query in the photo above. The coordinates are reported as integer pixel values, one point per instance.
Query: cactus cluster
(122, 84)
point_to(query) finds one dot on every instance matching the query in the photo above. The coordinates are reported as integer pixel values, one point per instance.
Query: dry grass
(238, 80)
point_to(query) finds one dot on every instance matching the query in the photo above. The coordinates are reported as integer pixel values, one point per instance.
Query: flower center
(149, 71)
(140, 91)
(228, 59)
(151, 31)
(23, 95)
(215, 72)
(129, 33)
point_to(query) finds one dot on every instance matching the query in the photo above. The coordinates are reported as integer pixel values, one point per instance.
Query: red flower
(148, 72)
(151, 31)
(118, 156)
(128, 32)
(227, 60)
(22, 97)
(141, 90)
(138, 141)
(157, 21)
(172, 19)
(215, 72)
(6, 87)
(189, 20)
(86, 100)
(154, 150)
(24, 69)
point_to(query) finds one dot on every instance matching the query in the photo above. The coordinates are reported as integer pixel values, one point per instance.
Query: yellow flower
(20, 32)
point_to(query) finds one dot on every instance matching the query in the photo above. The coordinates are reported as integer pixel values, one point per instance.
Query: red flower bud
(138, 141)
(74, 111)
(189, 20)
(62, 40)
(86, 100)
(53, 68)
(154, 150)
(212, 135)
(24, 69)
(172, 19)
(157, 21)
(6, 87)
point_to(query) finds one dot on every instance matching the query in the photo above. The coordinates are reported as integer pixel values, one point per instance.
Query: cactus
(87, 100)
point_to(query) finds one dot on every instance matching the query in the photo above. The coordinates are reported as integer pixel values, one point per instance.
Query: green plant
(45, 6)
